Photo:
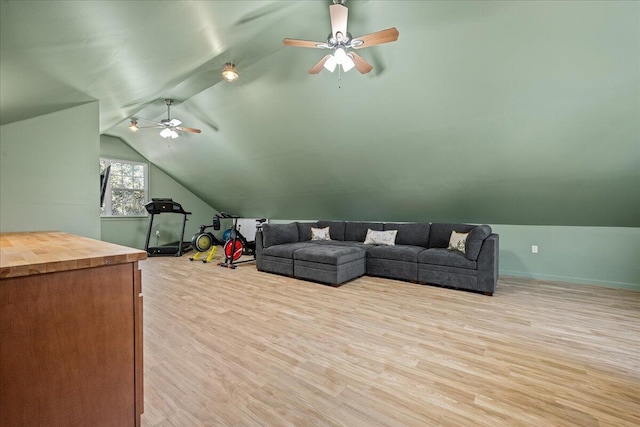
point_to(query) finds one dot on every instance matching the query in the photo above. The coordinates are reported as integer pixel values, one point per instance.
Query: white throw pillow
(320, 233)
(381, 237)
(457, 241)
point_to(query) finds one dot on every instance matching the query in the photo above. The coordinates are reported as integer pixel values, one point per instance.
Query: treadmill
(160, 206)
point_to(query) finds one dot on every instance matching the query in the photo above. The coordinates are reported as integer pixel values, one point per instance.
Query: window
(126, 188)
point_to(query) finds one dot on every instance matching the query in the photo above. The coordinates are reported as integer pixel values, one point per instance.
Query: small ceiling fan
(170, 127)
(341, 43)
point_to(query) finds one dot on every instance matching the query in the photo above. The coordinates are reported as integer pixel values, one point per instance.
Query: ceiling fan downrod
(168, 102)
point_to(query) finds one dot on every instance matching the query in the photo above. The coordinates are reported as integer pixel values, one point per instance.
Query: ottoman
(333, 265)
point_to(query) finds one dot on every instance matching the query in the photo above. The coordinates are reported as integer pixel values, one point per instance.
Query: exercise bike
(204, 241)
(238, 245)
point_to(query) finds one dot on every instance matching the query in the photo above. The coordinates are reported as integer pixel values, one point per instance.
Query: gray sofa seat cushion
(413, 234)
(439, 256)
(339, 243)
(336, 229)
(277, 234)
(304, 230)
(357, 231)
(325, 254)
(397, 252)
(284, 250)
(441, 233)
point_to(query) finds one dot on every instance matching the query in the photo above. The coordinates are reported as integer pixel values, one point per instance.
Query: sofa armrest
(259, 248)
(488, 264)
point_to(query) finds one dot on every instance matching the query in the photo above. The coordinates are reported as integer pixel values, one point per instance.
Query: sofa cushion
(457, 241)
(413, 234)
(339, 243)
(304, 230)
(284, 250)
(440, 256)
(475, 240)
(326, 254)
(387, 238)
(320, 234)
(357, 231)
(336, 229)
(398, 252)
(440, 233)
(277, 234)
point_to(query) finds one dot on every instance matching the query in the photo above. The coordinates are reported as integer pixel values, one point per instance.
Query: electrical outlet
(534, 249)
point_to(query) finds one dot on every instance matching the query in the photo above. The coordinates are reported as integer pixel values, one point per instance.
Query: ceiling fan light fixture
(229, 73)
(348, 63)
(330, 64)
(133, 126)
(169, 133)
(340, 55)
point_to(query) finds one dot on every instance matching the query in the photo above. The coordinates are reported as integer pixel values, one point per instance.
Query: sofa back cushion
(357, 231)
(336, 229)
(413, 234)
(304, 230)
(440, 233)
(475, 240)
(277, 234)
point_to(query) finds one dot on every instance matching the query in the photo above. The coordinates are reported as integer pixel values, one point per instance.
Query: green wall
(132, 231)
(606, 256)
(500, 112)
(49, 173)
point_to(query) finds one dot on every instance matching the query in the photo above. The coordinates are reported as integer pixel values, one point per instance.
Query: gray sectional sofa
(419, 254)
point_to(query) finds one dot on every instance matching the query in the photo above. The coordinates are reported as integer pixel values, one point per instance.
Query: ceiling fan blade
(159, 126)
(304, 43)
(174, 123)
(318, 67)
(361, 65)
(192, 130)
(383, 36)
(339, 14)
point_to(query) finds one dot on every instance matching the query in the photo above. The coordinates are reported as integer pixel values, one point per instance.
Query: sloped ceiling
(490, 112)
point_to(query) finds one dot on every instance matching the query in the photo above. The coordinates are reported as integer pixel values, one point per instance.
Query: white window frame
(107, 213)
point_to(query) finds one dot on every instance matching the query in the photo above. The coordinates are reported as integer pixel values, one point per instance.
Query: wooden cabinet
(70, 331)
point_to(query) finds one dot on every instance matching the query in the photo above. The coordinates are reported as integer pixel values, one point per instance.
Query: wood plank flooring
(244, 348)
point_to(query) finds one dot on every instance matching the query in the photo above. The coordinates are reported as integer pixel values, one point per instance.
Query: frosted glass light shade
(169, 133)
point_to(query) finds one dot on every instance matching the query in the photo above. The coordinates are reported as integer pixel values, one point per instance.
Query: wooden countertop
(27, 253)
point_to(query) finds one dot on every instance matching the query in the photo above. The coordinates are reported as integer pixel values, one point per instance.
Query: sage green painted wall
(606, 256)
(49, 173)
(132, 231)
(500, 112)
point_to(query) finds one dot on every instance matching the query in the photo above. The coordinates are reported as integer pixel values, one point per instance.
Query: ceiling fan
(170, 127)
(341, 43)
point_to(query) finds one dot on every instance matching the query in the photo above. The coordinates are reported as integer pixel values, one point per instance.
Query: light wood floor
(244, 348)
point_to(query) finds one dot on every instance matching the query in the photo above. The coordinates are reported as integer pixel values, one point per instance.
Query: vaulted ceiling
(521, 112)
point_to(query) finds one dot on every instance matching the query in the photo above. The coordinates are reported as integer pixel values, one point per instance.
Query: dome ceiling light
(229, 73)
